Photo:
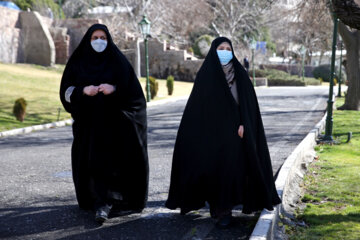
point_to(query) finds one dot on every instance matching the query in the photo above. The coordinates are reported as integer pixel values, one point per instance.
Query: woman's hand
(241, 131)
(106, 89)
(91, 90)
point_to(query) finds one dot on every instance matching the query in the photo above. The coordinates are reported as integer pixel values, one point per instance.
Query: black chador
(211, 163)
(109, 151)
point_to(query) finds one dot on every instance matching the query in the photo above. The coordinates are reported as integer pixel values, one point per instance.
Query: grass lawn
(40, 88)
(332, 186)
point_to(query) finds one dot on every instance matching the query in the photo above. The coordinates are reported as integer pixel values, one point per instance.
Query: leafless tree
(238, 19)
(313, 25)
(349, 13)
(171, 20)
(183, 17)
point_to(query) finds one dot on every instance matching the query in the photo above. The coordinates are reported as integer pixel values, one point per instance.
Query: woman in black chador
(221, 154)
(109, 152)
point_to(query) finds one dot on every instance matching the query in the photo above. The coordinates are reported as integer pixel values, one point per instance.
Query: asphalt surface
(37, 198)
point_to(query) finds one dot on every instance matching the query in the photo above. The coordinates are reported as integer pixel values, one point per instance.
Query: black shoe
(224, 222)
(102, 214)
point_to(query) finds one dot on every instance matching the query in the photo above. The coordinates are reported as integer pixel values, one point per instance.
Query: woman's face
(98, 34)
(224, 46)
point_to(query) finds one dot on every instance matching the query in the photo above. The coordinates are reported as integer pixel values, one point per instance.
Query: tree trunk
(348, 11)
(321, 57)
(352, 44)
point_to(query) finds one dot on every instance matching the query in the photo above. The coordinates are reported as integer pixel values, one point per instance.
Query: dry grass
(180, 89)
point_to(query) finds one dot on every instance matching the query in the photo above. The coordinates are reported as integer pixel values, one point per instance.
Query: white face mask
(99, 45)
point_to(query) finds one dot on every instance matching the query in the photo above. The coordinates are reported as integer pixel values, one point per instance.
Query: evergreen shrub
(170, 84)
(19, 109)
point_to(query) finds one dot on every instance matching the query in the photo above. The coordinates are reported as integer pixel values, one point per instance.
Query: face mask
(99, 45)
(224, 56)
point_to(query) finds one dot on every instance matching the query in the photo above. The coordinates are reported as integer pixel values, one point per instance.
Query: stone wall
(9, 37)
(163, 62)
(76, 29)
(36, 42)
(62, 43)
(31, 38)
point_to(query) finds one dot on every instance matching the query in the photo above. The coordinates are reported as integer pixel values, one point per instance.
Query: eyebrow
(95, 36)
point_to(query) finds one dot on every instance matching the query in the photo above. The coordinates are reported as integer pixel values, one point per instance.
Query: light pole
(327, 138)
(60, 3)
(340, 78)
(302, 52)
(145, 31)
(253, 47)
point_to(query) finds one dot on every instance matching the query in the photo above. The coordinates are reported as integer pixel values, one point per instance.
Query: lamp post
(60, 6)
(327, 138)
(340, 77)
(145, 31)
(302, 52)
(253, 47)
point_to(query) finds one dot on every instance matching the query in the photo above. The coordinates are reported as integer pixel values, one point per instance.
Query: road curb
(163, 101)
(63, 123)
(267, 220)
(29, 129)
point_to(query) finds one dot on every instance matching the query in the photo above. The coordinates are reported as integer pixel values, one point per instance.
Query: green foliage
(197, 51)
(24, 4)
(312, 81)
(323, 72)
(194, 35)
(273, 73)
(285, 82)
(170, 84)
(154, 87)
(260, 73)
(19, 109)
(38, 85)
(281, 78)
(41, 6)
(332, 192)
(266, 37)
(309, 198)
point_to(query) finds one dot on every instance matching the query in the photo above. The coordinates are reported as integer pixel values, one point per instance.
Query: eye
(103, 37)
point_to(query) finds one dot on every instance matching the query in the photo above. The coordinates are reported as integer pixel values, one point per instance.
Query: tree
(306, 23)
(78, 8)
(314, 26)
(349, 13)
(47, 8)
(239, 20)
(170, 20)
(179, 20)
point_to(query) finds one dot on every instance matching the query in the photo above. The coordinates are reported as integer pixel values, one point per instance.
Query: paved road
(37, 198)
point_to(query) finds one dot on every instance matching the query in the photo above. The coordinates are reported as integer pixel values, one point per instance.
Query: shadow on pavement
(69, 222)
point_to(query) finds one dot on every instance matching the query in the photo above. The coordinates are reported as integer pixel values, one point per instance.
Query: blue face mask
(224, 56)
(99, 45)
